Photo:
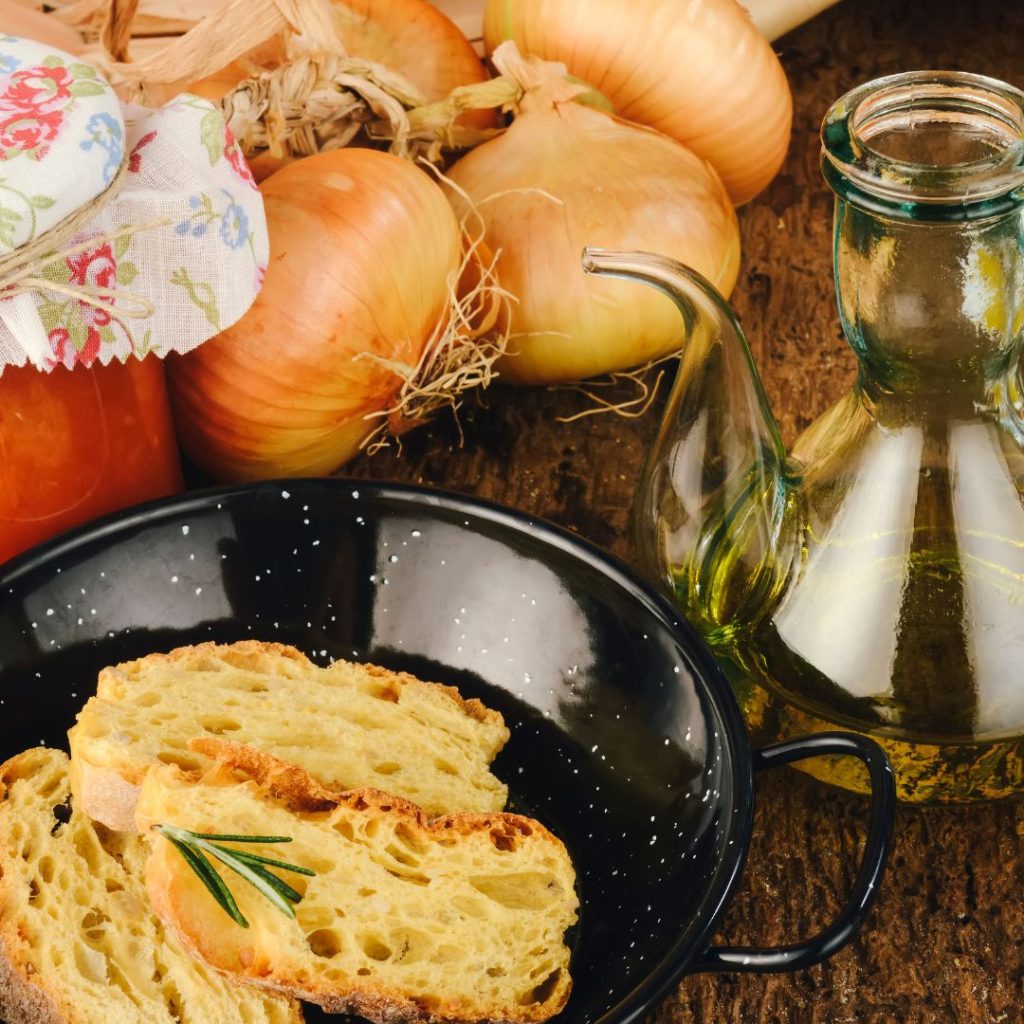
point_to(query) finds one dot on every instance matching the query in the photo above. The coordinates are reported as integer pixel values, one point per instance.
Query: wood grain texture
(945, 944)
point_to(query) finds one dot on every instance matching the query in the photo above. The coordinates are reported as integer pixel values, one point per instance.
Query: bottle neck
(934, 311)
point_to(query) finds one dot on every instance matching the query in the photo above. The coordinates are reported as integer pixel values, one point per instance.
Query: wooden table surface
(945, 942)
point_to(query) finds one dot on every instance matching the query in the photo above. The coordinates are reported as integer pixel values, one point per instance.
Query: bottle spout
(700, 303)
(669, 276)
(617, 262)
(711, 326)
(712, 504)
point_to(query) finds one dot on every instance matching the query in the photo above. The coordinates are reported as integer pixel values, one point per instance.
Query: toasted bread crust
(22, 1000)
(472, 707)
(385, 1007)
(111, 676)
(288, 783)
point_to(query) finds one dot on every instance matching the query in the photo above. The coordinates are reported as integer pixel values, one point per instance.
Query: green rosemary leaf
(215, 838)
(255, 858)
(173, 832)
(290, 894)
(209, 877)
(261, 883)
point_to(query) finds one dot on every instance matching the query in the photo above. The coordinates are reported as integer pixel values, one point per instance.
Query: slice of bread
(457, 919)
(349, 726)
(79, 943)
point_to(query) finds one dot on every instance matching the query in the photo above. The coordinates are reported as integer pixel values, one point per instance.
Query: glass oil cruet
(873, 577)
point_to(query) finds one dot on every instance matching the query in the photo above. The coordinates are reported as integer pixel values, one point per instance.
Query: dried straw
(317, 103)
(629, 408)
(464, 348)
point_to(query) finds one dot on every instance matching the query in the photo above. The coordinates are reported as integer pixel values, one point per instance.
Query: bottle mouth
(927, 145)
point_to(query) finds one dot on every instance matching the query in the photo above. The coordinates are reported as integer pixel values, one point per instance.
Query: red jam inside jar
(76, 444)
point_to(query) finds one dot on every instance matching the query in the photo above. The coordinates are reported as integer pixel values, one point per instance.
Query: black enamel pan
(626, 739)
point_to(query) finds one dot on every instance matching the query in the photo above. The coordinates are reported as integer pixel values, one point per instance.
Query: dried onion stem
(320, 102)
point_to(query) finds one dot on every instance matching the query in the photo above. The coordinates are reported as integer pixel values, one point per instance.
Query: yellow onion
(364, 247)
(697, 70)
(564, 176)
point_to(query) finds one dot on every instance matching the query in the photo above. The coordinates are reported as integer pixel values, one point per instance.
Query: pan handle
(865, 887)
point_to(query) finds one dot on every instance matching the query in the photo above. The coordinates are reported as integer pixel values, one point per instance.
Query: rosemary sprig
(195, 846)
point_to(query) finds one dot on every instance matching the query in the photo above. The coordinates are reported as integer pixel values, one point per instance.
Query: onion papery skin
(16, 20)
(362, 248)
(697, 70)
(608, 184)
(418, 41)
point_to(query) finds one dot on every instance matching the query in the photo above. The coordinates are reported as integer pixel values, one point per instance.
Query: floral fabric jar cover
(177, 248)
